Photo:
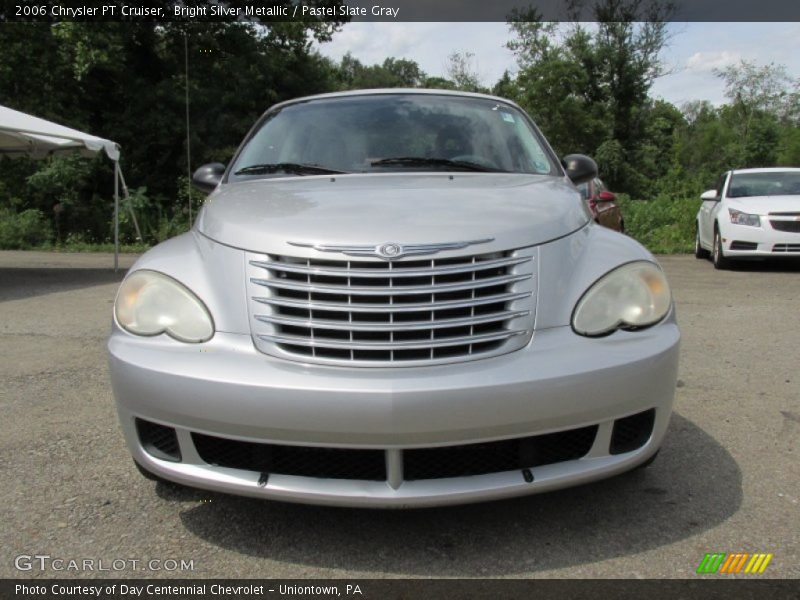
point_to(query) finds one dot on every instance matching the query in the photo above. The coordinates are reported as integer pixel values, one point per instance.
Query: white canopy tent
(25, 135)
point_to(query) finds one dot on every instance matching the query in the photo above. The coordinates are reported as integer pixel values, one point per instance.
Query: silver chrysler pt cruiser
(394, 298)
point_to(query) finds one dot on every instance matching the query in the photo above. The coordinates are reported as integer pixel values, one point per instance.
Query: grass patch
(96, 247)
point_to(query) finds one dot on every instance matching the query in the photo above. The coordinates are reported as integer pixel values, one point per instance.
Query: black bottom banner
(369, 589)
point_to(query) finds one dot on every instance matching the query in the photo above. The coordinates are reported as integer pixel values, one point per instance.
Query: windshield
(773, 183)
(390, 133)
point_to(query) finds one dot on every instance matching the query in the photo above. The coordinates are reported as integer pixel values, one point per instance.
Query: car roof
(765, 170)
(387, 91)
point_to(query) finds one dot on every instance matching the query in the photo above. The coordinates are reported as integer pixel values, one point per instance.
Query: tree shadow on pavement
(693, 486)
(16, 284)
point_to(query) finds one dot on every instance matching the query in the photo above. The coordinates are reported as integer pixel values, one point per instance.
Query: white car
(751, 213)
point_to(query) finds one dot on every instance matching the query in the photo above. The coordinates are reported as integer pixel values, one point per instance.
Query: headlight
(150, 303)
(740, 218)
(631, 296)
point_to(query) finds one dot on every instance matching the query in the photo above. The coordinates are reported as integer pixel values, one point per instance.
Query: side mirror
(208, 176)
(709, 195)
(606, 196)
(579, 168)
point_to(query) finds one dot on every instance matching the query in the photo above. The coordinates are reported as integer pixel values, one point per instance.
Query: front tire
(718, 257)
(699, 251)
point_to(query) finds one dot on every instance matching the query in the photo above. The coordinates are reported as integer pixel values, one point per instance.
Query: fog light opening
(159, 441)
(631, 433)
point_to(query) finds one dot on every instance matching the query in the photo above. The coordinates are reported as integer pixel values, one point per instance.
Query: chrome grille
(376, 312)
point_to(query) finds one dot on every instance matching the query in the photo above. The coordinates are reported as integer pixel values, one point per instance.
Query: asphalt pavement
(726, 479)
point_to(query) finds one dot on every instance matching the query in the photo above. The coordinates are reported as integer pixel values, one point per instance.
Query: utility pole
(188, 135)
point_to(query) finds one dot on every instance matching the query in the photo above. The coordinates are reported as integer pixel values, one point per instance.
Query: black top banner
(404, 10)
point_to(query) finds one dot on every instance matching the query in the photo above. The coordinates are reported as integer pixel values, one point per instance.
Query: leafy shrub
(158, 219)
(168, 228)
(662, 225)
(23, 230)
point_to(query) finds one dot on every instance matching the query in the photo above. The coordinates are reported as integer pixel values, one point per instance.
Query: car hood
(516, 210)
(763, 205)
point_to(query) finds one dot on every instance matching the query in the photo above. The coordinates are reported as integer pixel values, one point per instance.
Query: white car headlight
(629, 297)
(150, 303)
(741, 218)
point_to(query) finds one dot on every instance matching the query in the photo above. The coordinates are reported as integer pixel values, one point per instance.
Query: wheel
(720, 262)
(699, 251)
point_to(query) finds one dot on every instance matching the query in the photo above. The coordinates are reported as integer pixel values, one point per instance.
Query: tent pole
(116, 215)
(130, 205)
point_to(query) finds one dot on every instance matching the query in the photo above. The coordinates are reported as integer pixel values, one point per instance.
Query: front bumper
(740, 241)
(560, 381)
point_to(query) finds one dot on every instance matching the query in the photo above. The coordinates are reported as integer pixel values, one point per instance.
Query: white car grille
(378, 313)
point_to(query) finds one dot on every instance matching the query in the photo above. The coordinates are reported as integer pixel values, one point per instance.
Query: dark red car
(602, 204)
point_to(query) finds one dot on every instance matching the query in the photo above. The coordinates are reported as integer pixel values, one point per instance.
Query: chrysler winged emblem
(391, 250)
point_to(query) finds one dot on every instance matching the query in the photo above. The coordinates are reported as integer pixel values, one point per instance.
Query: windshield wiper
(293, 168)
(421, 161)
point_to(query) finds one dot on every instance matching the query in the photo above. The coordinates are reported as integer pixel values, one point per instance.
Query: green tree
(126, 82)
(506, 87)
(463, 72)
(764, 110)
(407, 72)
(438, 83)
(587, 87)
(789, 147)
(766, 88)
(394, 72)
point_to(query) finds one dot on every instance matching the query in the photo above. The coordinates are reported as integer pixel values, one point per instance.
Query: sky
(694, 50)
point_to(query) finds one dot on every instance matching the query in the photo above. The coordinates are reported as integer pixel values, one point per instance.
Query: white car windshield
(393, 132)
(772, 183)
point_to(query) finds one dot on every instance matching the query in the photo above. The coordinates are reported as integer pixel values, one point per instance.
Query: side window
(584, 190)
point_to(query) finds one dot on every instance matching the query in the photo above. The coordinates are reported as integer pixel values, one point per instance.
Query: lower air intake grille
(158, 440)
(496, 457)
(786, 248)
(631, 433)
(328, 463)
(420, 463)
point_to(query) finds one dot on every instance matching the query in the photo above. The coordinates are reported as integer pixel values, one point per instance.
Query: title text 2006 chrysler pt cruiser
(394, 298)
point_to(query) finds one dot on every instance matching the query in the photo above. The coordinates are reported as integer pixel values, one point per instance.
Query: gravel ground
(725, 481)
